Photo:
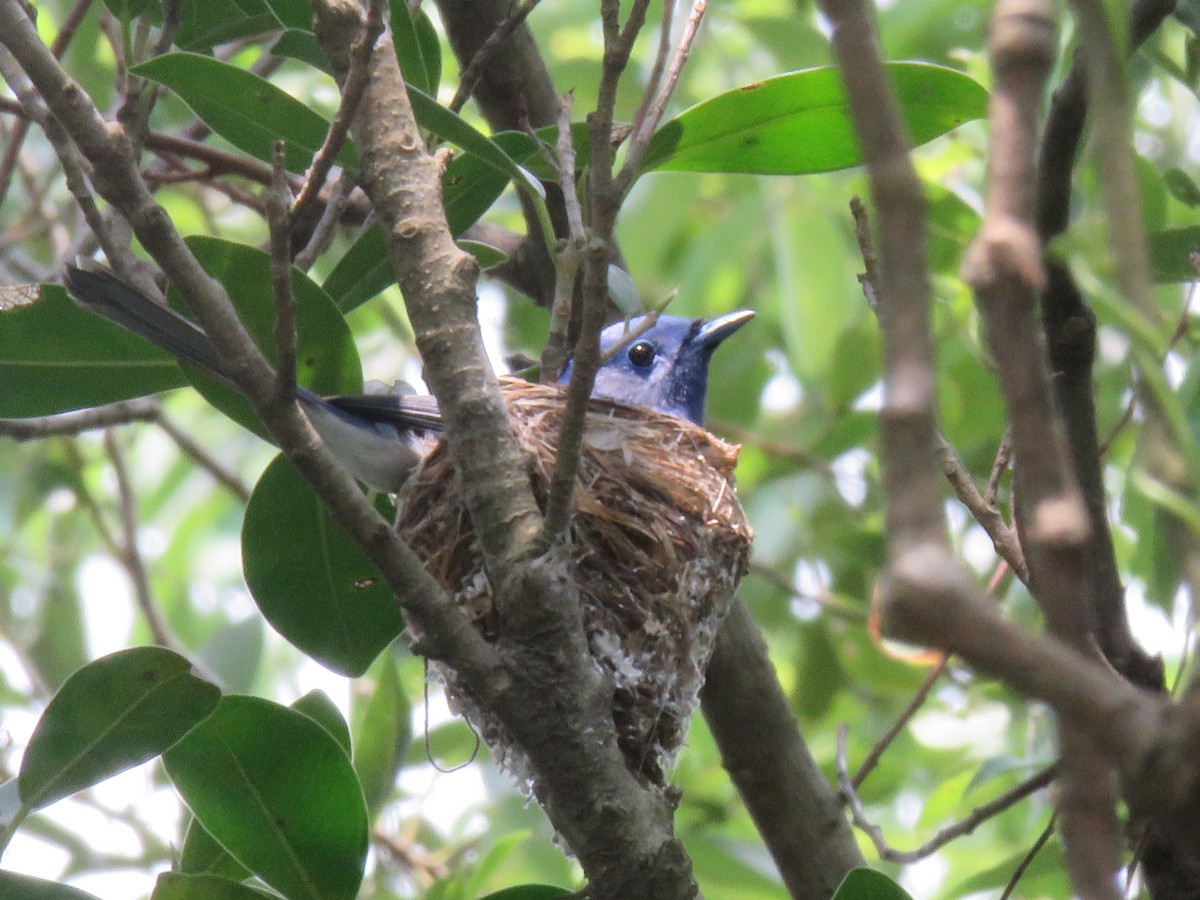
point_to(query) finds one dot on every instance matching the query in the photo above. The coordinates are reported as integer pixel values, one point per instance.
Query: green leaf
(205, 23)
(382, 731)
(56, 357)
(248, 111)
(127, 10)
(1182, 187)
(799, 123)
(486, 255)
(1169, 249)
(868, 884)
(318, 707)
(301, 45)
(1048, 860)
(177, 886)
(327, 361)
(819, 675)
(469, 188)
(363, 272)
(310, 580)
(420, 58)
(528, 892)
(111, 715)
(487, 867)
(276, 790)
(623, 292)
(26, 887)
(292, 13)
(202, 855)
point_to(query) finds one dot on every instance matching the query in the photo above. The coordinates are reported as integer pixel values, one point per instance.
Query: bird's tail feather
(106, 295)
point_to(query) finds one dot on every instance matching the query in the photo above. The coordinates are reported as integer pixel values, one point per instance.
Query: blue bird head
(665, 368)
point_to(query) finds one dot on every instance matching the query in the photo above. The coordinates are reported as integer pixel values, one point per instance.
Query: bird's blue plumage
(379, 437)
(664, 368)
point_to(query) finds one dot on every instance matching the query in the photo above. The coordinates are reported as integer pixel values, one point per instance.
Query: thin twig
(278, 203)
(128, 554)
(660, 64)
(201, 457)
(862, 231)
(142, 409)
(999, 467)
(1027, 859)
(569, 259)
(919, 698)
(1004, 537)
(16, 138)
(965, 826)
(911, 708)
(604, 203)
(640, 139)
(470, 75)
(339, 129)
(323, 234)
(796, 455)
(825, 600)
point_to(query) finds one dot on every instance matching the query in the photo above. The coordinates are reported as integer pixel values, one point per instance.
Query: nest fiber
(657, 544)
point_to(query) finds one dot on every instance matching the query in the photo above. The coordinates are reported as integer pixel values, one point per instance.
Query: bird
(381, 438)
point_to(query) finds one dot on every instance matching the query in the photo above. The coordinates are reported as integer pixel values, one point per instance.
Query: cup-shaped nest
(658, 543)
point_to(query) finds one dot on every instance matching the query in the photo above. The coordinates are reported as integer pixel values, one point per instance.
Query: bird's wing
(411, 412)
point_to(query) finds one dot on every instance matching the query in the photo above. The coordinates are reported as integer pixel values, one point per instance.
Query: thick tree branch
(513, 89)
(1004, 267)
(553, 700)
(793, 806)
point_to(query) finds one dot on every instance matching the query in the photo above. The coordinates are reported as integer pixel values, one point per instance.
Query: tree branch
(551, 698)
(792, 804)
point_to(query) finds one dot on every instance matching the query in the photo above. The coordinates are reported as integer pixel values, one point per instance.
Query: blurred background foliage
(798, 389)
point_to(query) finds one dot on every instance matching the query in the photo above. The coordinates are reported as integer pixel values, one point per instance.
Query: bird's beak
(712, 333)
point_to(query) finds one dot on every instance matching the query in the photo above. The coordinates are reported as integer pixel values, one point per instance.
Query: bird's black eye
(641, 353)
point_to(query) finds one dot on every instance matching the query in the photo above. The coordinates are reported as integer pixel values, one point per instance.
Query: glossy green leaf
(457, 130)
(528, 892)
(26, 887)
(276, 790)
(382, 730)
(327, 361)
(868, 884)
(177, 886)
(127, 10)
(420, 57)
(1169, 251)
(246, 110)
(799, 123)
(292, 13)
(56, 357)
(363, 272)
(111, 715)
(485, 254)
(1182, 187)
(318, 707)
(310, 580)
(301, 45)
(202, 855)
(205, 23)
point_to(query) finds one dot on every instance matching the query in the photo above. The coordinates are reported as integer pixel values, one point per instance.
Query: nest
(657, 544)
